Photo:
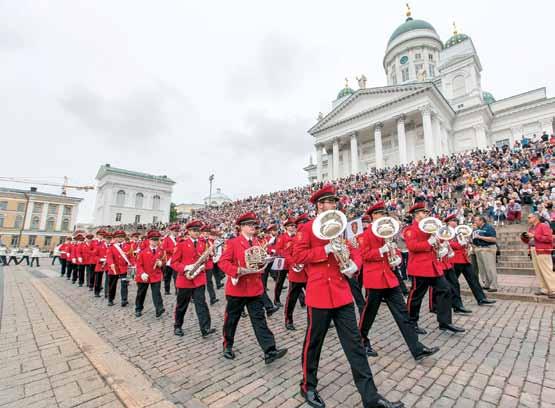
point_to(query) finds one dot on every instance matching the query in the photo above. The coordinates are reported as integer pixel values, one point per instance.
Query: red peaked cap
(174, 227)
(366, 218)
(246, 217)
(79, 237)
(450, 217)
(301, 218)
(119, 234)
(290, 221)
(328, 191)
(271, 227)
(153, 234)
(194, 224)
(418, 206)
(89, 236)
(379, 206)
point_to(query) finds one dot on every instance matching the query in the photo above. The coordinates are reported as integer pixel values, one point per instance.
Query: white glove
(102, 259)
(328, 248)
(432, 240)
(350, 270)
(73, 260)
(144, 276)
(80, 259)
(384, 250)
(188, 267)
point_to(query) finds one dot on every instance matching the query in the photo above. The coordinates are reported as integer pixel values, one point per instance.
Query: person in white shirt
(13, 256)
(3, 253)
(35, 253)
(25, 255)
(56, 254)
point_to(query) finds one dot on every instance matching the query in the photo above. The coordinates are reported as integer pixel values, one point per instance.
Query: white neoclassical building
(433, 105)
(127, 197)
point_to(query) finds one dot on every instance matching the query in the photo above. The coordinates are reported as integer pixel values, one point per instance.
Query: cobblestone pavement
(506, 358)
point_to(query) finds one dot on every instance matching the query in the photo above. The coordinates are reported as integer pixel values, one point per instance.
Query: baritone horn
(387, 228)
(330, 225)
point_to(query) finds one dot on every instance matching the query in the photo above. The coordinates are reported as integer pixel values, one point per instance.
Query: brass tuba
(387, 228)
(443, 233)
(330, 225)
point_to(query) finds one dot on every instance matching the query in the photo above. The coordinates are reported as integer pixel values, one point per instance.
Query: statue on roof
(320, 116)
(362, 81)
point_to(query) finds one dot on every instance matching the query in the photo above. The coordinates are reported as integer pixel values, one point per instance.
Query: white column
(378, 148)
(547, 126)
(43, 216)
(516, 134)
(354, 153)
(428, 131)
(318, 162)
(445, 140)
(436, 129)
(481, 138)
(402, 139)
(59, 217)
(335, 148)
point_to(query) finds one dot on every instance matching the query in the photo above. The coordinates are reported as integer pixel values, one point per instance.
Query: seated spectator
(514, 212)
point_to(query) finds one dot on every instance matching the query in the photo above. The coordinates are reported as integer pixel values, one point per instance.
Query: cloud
(10, 40)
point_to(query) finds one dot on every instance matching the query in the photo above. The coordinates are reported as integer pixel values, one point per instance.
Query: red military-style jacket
(88, 249)
(100, 256)
(169, 244)
(271, 248)
(377, 273)
(327, 287)
(145, 264)
(186, 254)
(77, 253)
(422, 257)
(114, 257)
(64, 249)
(283, 244)
(232, 258)
(210, 262)
(461, 253)
(543, 238)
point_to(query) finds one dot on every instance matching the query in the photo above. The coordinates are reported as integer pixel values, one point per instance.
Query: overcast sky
(185, 88)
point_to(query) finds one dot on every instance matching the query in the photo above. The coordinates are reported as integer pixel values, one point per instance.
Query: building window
(137, 219)
(418, 69)
(15, 241)
(118, 217)
(1, 220)
(459, 86)
(18, 221)
(50, 224)
(37, 208)
(20, 207)
(418, 56)
(156, 202)
(67, 210)
(501, 143)
(32, 239)
(35, 222)
(154, 219)
(47, 241)
(430, 57)
(3, 205)
(65, 224)
(405, 74)
(139, 200)
(432, 71)
(120, 198)
(52, 209)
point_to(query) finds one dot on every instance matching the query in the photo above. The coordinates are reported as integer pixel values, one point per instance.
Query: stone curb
(514, 296)
(130, 385)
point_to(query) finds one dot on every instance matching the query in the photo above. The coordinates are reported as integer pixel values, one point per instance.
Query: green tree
(173, 212)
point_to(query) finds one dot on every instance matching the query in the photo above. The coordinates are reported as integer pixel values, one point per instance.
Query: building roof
(409, 25)
(455, 39)
(106, 169)
(37, 193)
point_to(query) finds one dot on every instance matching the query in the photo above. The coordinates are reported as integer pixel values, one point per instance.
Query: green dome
(345, 92)
(409, 25)
(488, 98)
(455, 39)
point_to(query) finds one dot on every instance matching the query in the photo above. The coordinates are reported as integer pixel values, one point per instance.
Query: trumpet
(330, 225)
(387, 228)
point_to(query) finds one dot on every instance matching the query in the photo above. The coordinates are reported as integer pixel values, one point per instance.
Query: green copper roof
(409, 25)
(345, 92)
(455, 39)
(488, 98)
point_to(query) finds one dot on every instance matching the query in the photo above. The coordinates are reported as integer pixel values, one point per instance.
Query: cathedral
(433, 105)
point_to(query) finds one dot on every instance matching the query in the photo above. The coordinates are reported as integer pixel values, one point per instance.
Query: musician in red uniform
(282, 247)
(297, 278)
(88, 260)
(169, 244)
(270, 239)
(426, 270)
(382, 284)
(328, 297)
(244, 288)
(100, 267)
(184, 259)
(118, 262)
(149, 273)
(77, 260)
(205, 236)
(64, 253)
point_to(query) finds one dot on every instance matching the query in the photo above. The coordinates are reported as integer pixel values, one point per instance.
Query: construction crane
(65, 186)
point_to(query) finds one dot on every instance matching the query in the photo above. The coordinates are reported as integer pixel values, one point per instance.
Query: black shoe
(313, 399)
(485, 287)
(219, 286)
(274, 355)
(178, 331)
(110, 303)
(383, 403)
(492, 290)
(370, 352)
(97, 295)
(486, 302)
(434, 311)
(420, 331)
(214, 301)
(90, 289)
(229, 354)
(303, 305)
(425, 352)
(167, 293)
(451, 327)
(243, 314)
(160, 312)
(462, 310)
(138, 313)
(290, 326)
(80, 285)
(124, 303)
(278, 304)
(208, 332)
(271, 311)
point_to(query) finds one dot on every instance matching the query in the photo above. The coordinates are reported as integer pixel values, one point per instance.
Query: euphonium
(387, 228)
(445, 234)
(464, 234)
(330, 225)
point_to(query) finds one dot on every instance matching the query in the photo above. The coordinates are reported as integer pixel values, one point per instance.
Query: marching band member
(69, 260)
(204, 235)
(149, 273)
(218, 249)
(118, 262)
(77, 260)
(168, 245)
(88, 260)
(283, 244)
(246, 292)
(382, 284)
(64, 251)
(328, 297)
(100, 267)
(270, 239)
(297, 279)
(426, 271)
(186, 255)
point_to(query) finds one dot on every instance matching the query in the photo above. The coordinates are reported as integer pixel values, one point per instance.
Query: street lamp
(210, 179)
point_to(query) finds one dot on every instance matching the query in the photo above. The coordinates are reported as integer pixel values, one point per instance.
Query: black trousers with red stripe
(184, 296)
(356, 290)
(345, 322)
(295, 290)
(280, 281)
(472, 279)
(417, 292)
(454, 290)
(396, 304)
(255, 306)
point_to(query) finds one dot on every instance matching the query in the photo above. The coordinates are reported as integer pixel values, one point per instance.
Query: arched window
(50, 224)
(120, 198)
(139, 200)
(18, 221)
(1, 220)
(35, 221)
(65, 224)
(156, 202)
(459, 86)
